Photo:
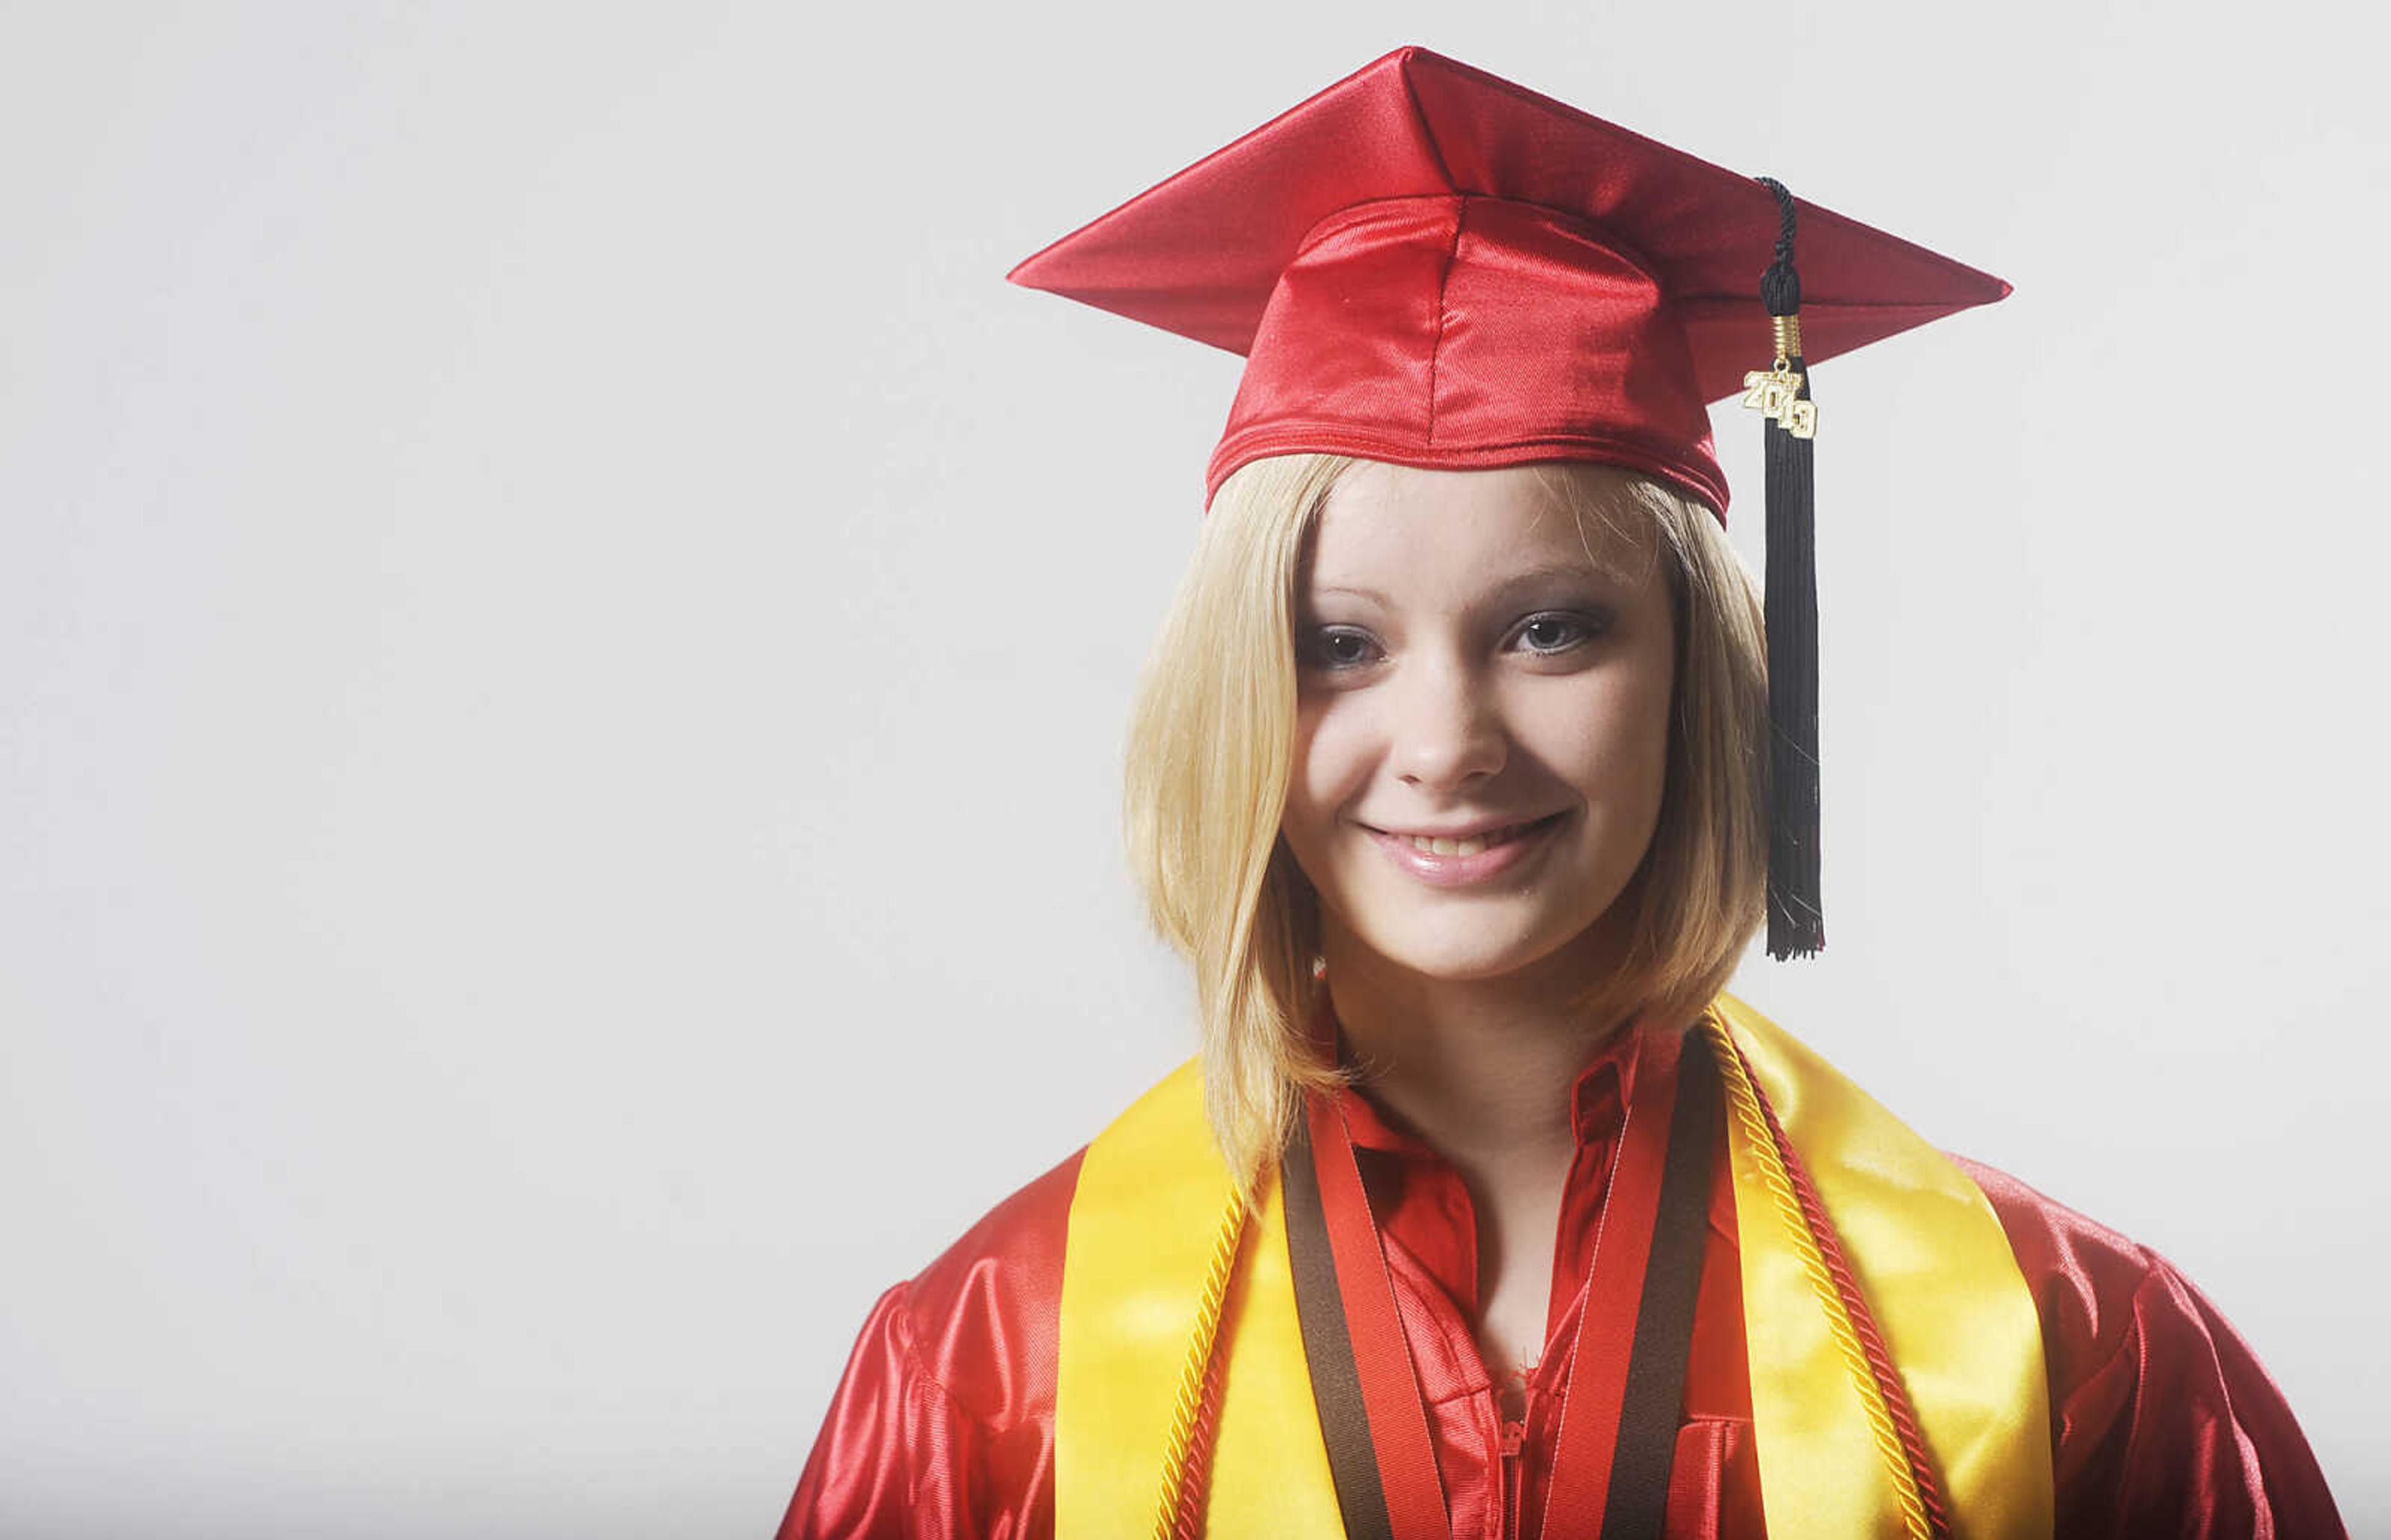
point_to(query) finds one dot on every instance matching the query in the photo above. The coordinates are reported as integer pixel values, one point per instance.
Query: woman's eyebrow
(1500, 596)
(1548, 575)
(1532, 577)
(1347, 590)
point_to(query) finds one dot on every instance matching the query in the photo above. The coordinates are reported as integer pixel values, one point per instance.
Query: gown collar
(1597, 1096)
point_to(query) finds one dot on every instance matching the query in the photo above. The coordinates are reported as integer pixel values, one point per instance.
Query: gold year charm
(1778, 392)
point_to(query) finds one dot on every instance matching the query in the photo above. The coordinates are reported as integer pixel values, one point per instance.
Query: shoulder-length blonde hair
(1210, 757)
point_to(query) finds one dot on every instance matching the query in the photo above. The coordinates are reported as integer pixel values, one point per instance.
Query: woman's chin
(1449, 958)
(1453, 948)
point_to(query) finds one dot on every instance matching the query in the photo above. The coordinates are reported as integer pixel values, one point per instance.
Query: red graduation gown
(2162, 1422)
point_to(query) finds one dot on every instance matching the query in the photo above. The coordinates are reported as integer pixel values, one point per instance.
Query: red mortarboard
(1428, 265)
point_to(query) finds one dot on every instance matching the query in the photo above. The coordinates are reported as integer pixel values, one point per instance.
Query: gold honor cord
(1931, 1261)
(1758, 1146)
(1150, 1220)
(1188, 1405)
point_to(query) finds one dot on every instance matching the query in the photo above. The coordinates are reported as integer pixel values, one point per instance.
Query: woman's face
(1482, 722)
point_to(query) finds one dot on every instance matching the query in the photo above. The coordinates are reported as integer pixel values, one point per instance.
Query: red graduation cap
(1428, 265)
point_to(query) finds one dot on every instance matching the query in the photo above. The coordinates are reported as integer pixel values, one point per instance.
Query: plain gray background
(564, 642)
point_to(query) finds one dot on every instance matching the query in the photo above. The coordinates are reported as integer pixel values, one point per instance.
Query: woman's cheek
(1329, 763)
(1614, 737)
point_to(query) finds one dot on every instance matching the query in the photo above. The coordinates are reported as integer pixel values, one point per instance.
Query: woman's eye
(1340, 647)
(1558, 633)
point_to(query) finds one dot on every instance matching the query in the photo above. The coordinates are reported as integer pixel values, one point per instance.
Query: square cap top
(1429, 265)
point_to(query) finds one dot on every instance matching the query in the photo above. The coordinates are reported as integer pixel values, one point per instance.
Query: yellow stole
(1160, 1246)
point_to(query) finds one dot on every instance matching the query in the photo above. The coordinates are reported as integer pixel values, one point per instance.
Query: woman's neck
(1481, 1069)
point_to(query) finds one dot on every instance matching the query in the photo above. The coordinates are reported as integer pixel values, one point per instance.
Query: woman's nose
(1446, 732)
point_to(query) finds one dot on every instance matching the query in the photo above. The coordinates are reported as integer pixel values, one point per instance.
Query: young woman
(1461, 780)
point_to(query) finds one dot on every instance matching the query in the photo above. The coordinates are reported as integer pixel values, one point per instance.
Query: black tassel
(1796, 927)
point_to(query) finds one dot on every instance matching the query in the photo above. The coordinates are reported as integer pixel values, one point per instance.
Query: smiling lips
(1445, 862)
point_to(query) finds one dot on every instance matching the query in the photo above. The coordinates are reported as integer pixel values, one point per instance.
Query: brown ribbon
(1633, 1500)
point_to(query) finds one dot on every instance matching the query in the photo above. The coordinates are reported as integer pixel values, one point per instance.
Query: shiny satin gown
(2162, 1422)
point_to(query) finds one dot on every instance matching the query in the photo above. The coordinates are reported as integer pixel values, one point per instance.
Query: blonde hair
(1210, 757)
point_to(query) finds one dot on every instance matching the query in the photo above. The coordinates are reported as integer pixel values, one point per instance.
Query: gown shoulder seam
(2152, 1267)
(901, 1314)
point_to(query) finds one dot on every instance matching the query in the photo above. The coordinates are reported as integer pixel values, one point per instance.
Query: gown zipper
(1513, 1435)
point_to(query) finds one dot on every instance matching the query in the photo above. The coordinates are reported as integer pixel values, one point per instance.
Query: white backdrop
(564, 641)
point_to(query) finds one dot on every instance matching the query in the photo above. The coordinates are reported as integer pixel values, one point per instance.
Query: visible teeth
(1477, 844)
